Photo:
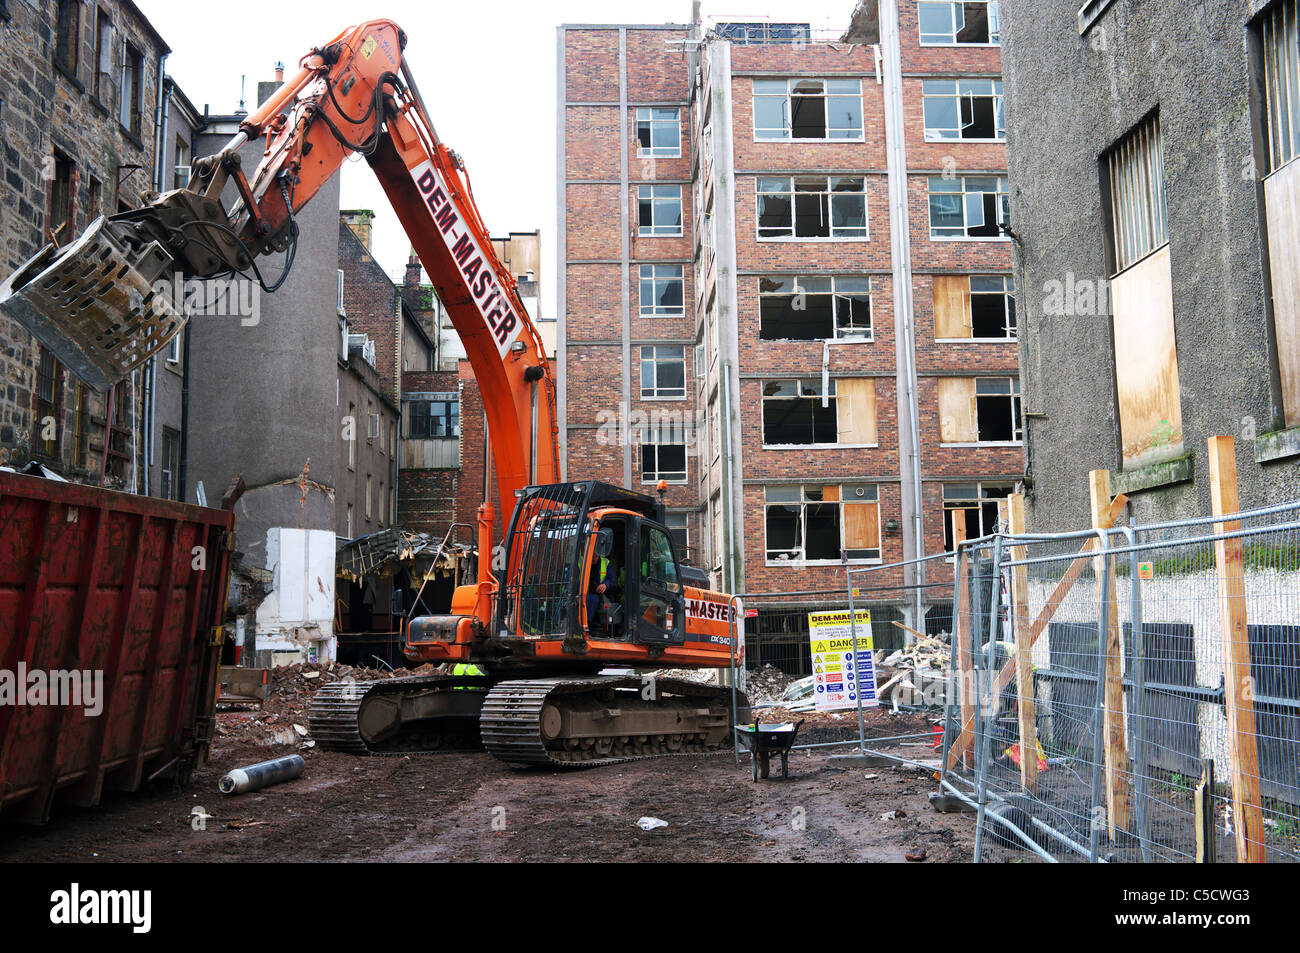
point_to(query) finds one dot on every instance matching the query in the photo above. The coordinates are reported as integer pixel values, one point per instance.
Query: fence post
(1025, 709)
(984, 662)
(1248, 820)
(1108, 634)
(962, 631)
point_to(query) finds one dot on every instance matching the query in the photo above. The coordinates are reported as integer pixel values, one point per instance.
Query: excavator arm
(354, 95)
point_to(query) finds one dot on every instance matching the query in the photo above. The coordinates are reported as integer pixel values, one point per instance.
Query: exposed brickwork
(594, 302)
(371, 300)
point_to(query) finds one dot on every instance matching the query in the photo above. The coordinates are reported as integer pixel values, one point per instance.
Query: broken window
(795, 308)
(132, 76)
(812, 207)
(951, 22)
(968, 206)
(679, 529)
(807, 108)
(61, 227)
(661, 291)
(981, 307)
(1280, 68)
(979, 410)
(659, 209)
(67, 41)
(658, 132)
(799, 413)
(813, 523)
(970, 510)
(663, 455)
(663, 372)
(963, 109)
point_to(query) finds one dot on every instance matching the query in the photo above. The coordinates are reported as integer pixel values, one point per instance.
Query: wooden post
(1044, 616)
(1207, 831)
(1243, 765)
(1015, 522)
(1117, 769)
(961, 629)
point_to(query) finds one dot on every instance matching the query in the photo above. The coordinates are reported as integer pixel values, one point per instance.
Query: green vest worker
(465, 668)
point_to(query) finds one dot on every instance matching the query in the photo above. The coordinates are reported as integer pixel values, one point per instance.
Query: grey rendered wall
(262, 397)
(1069, 98)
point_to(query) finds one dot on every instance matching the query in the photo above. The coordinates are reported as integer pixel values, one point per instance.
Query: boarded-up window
(857, 410)
(957, 409)
(797, 413)
(1280, 37)
(1146, 361)
(67, 38)
(982, 307)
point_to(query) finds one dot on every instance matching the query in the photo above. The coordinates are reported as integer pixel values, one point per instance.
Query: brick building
(80, 88)
(784, 289)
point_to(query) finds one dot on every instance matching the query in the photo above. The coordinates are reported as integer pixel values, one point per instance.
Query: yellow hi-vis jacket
(465, 668)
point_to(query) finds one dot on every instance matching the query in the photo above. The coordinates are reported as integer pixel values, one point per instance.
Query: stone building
(80, 89)
(1183, 119)
(784, 289)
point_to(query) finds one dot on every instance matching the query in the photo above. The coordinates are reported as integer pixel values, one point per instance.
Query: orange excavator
(591, 578)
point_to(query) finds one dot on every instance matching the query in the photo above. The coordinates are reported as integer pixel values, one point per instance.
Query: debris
(262, 774)
(651, 823)
(916, 854)
(311, 674)
(301, 730)
(893, 815)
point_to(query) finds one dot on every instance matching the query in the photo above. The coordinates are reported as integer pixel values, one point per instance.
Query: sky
(486, 69)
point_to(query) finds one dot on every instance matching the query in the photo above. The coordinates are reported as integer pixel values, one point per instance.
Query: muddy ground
(468, 806)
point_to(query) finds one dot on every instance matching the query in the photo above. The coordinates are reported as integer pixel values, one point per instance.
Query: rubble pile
(766, 684)
(282, 719)
(908, 673)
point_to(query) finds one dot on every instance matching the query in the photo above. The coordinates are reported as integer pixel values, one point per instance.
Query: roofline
(186, 104)
(624, 26)
(147, 24)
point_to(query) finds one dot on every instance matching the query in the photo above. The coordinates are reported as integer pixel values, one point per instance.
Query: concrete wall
(1069, 99)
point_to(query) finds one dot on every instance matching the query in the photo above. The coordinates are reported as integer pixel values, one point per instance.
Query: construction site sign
(838, 677)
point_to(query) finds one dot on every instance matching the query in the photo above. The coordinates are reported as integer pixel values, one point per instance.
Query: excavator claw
(101, 305)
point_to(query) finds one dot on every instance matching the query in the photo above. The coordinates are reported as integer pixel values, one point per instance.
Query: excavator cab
(568, 540)
(643, 600)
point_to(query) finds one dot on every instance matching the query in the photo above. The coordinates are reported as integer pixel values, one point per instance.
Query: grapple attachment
(102, 305)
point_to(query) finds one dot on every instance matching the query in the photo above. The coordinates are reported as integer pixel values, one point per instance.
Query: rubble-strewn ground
(453, 806)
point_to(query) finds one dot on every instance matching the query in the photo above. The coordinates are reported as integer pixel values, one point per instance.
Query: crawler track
(584, 722)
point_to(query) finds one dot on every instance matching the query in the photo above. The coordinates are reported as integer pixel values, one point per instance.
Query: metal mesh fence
(1134, 697)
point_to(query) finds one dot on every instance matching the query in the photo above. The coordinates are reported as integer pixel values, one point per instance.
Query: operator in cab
(605, 595)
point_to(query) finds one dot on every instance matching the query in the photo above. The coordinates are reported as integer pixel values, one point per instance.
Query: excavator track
(398, 716)
(585, 722)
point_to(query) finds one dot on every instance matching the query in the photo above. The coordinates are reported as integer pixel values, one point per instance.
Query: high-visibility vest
(464, 668)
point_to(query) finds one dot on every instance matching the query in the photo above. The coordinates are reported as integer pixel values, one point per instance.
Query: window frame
(654, 199)
(827, 210)
(832, 397)
(788, 97)
(656, 359)
(957, 96)
(978, 501)
(129, 106)
(993, 15)
(1281, 92)
(651, 121)
(1136, 207)
(803, 502)
(655, 279)
(67, 38)
(1003, 199)
(798, 287)
(652, 437)
(1012, 319)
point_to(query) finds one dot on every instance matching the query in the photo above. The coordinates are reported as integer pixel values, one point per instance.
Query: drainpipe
(904, 327)
(150, 374)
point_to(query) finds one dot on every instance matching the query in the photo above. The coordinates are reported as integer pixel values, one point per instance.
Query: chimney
(361, 221)
(279, 73)
(412, 281)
